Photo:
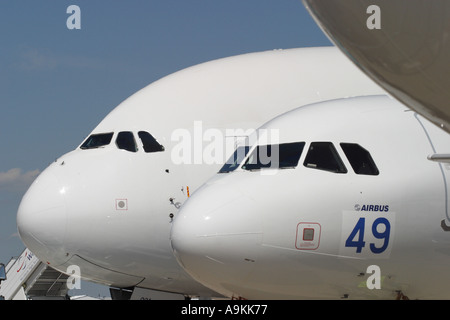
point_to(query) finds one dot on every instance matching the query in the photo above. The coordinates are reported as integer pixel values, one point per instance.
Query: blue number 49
(357, 230)
(356, 237)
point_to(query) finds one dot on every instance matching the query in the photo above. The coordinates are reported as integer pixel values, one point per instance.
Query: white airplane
(107, 207)
(343, 204)
(401, 44)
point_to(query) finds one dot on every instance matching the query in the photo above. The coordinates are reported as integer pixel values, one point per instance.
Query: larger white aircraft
(333, 200)
(403, 45)
(107, 207)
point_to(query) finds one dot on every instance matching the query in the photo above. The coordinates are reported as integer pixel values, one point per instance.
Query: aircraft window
(280, 156)
(323, 156)
(150, 144)
(125, 140)
(360, 159)
(97, 141)
(235, 160)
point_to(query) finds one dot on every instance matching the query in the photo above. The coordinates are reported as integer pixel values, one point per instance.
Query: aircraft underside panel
(98, 273)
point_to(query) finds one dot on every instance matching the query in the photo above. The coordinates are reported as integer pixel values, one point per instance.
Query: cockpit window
(323, 156)
(235, 160)
(125, 140)
(360, 159)
(97, 141)
(150, 144)
(277, 156)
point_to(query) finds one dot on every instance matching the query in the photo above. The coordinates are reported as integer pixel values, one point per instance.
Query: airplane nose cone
(212, 243)
(41, 218)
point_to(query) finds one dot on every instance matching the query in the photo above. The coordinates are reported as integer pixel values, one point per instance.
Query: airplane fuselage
(362, 194)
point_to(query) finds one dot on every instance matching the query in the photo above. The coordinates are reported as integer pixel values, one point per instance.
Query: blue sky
(56, 84)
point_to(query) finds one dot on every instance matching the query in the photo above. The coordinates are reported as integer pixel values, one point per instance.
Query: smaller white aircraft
(334, 200)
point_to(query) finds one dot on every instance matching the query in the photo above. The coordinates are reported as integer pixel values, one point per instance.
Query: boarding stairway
(27, 278)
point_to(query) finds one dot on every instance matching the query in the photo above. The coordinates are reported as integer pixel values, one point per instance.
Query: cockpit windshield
(320, 156)
(125, 141)
(97, 141)
(149, 142)
(324, 156)
(276, 156)
(235, 160)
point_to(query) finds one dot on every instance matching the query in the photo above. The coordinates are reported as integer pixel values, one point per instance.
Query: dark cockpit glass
(97, 141)
(323, 156)
(360, 159)
(125, 140)
(149, 142)
(235, 160)
(279, 156)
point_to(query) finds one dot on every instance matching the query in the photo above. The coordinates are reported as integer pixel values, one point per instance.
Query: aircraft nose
(211, 242)
(41, 218)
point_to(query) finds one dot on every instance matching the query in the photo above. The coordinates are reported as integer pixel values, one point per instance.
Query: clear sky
(57, 84)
